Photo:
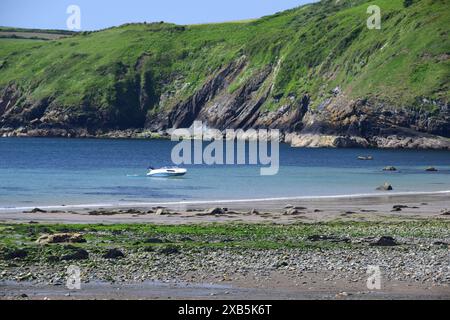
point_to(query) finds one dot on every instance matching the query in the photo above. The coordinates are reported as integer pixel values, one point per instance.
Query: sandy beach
(315, 248)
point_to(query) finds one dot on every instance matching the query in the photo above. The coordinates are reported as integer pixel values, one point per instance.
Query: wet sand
(366, 207)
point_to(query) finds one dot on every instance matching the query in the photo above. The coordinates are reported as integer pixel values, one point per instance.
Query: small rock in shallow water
(431, 169)
(385, 187)
(390, 168)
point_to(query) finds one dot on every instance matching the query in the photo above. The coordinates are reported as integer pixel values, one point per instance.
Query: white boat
(166, 172)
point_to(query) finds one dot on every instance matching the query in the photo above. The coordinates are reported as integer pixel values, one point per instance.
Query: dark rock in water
(365, 158)
(431, 169)
(114, 254)
(385, 187)
(78, 254)
(390, 168)
(169, 250)
(385, 242)
(154, 240)
(214, 211)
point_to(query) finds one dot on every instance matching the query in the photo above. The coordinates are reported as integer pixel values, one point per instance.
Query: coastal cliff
(316, 73)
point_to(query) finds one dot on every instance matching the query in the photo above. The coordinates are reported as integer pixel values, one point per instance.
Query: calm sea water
(39, 172)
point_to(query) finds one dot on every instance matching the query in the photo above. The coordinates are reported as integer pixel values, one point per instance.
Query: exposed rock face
(339, 122)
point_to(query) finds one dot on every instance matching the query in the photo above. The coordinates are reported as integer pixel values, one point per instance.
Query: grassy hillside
(133, 70)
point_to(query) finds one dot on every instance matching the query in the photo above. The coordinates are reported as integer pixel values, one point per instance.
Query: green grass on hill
(315, 48)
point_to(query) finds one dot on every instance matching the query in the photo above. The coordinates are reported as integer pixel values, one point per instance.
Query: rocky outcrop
(338, 122)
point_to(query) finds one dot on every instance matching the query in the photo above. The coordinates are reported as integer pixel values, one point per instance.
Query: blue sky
(98, 14)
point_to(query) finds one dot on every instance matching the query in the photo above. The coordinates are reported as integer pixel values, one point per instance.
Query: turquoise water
(40, 172)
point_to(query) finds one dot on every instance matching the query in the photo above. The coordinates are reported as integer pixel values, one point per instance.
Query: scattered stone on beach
(390, 168)
(61, 238)
(36, 210)
(154, 241)
(150, 211)
(77, 254)
(114, 254)
(317, 210)
(214, 211)
(13, 253)
(440, 243)
(385, 187)
(400, 206)
(431, 169)
(384, 242)
(161, 212)
(316, 238)
(445, 212)
(292, 212)
(169, 250)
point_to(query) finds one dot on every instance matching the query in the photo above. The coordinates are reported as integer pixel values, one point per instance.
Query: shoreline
(275, 210)
(234, 202)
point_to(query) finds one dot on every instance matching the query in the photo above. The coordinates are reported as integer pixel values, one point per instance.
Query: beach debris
(431, 169)
(214, 211)
(385, 187)
(385, 242)
(114, 254)
(77, 254)
(390, 168)
(61, 238)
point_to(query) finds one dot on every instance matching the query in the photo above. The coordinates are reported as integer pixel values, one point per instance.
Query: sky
(99, 14)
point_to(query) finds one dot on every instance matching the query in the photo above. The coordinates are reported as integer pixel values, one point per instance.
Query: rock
(431, 169)
(400, 206)
(78, 254)
(36, 210)
(113, 254)
(367, 158)
(316, 238)
(440, 243)
(11, 254)
(61, 238)
(169, 250)
(289, 206)
(254, 212)
(153, 240)
(384, 242)
(390, 168)
(161, 212)
(445, 212)
(385, 187)
(292, 212)
(214, 211)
